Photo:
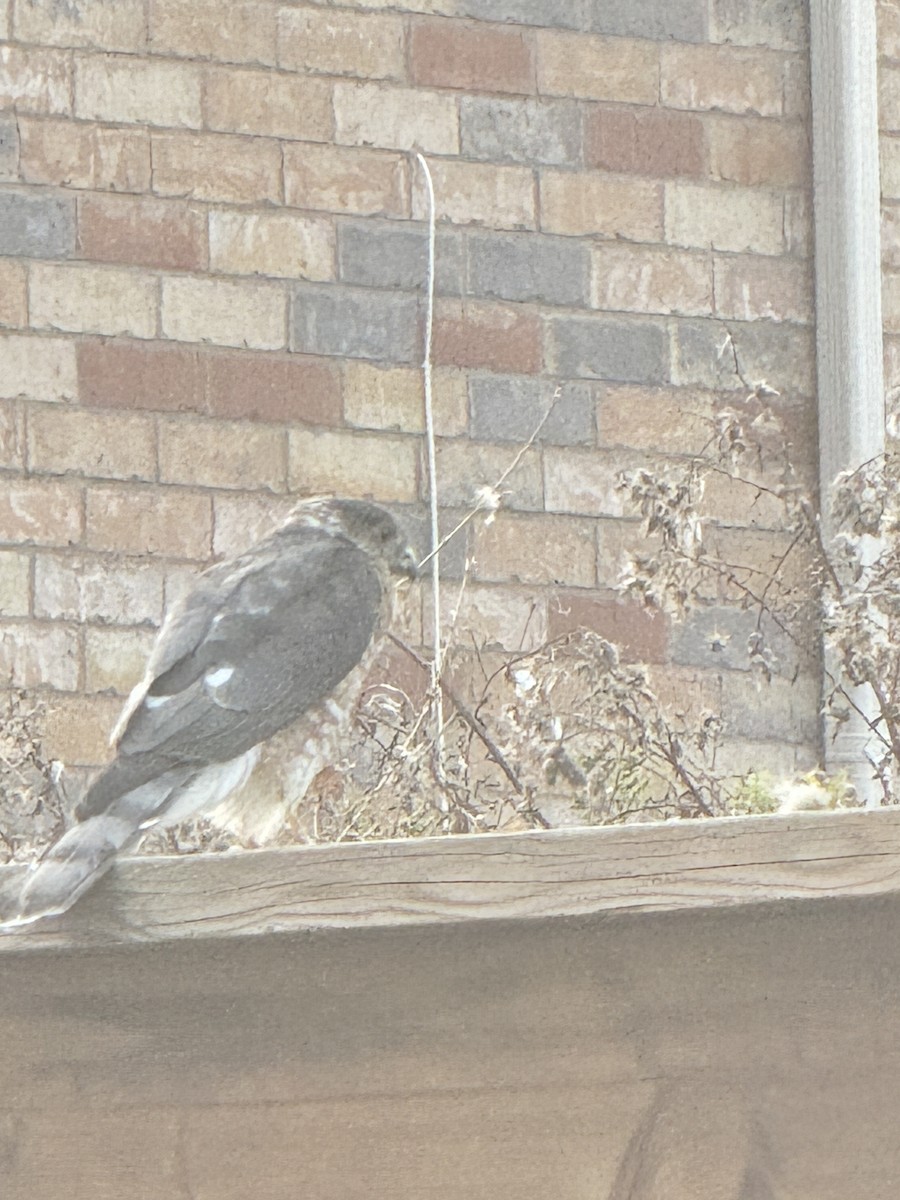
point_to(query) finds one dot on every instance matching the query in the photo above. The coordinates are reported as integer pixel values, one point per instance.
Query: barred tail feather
(87, 851)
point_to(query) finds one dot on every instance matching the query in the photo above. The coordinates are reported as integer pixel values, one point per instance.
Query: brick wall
(212, 254)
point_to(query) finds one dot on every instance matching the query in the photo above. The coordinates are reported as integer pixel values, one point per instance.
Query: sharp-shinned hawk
(258, 643)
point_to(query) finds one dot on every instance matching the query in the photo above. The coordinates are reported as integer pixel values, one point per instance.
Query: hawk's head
(367, 525)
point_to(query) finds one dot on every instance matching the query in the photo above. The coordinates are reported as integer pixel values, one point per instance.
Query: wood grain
(526, 876)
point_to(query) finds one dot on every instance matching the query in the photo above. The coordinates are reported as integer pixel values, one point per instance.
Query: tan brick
(281, 244)
(331, 41)
(142, 231)
(798, 230)
(504, 618)
(92, 299)
(724, 218)
(15, 583)
(272, 387)
(77, 731)
(656, 419)
(114, 659)
(35, 81)
(650, 279)
(890, 235)
(12, 435)
(888, 28)
(227, 312)
(160, 521)
(732, 501)
(227, 454)
(241, 520)
(889, 98)
(13, 294)
(107, 445)
(70, 154)
(492, 336)
(582, 481)
(890, 300)
(353, 464)
(336, 179)
(464, 467)
(749, 288)
(756, 152)
(729, 78)
(475, 58)
(597, 68)
(102, 24)
(470, 193)
(588, 203)
(392, 398)
(263, 102)
(369, 114)
(645, 141)
(43, 511)
(797, 88)
(38, 368)
(244, 31)
(890, 167)
(34, 655)
(216, 167)
(383, 398)
(450, 400)
(138, 91)
(530, 548)
(640, 634)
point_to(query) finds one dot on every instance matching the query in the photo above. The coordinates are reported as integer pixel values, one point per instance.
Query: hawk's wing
(257, 643)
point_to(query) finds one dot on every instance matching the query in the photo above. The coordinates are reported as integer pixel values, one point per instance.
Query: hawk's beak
(408, 565)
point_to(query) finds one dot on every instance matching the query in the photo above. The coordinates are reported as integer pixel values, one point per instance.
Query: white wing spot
(216, 678)
(156, 701)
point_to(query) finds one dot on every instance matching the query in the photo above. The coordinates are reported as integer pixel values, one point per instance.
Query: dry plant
(31, 811)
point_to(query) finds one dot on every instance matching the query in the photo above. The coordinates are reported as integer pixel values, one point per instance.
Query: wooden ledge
(522, 876)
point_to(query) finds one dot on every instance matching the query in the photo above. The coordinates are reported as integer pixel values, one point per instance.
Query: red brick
(645, 141)
(641, 634)
(474, 58)
(142, 231)
(273, 387)
(488, 336)
(122, 374)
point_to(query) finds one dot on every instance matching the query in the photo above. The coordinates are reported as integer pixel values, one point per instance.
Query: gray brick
(356, 322)
(36, 226)
(529, 267)
(684, 20)
(782, 710)
(774, 352)
(718, 637)
(626, 351)
(9, 148)
(416, 525)
(520, 131)
(391, 254)
(508, 408)
(780, 24)
(568, 14)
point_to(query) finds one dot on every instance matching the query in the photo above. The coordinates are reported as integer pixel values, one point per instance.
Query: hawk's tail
(86, 852)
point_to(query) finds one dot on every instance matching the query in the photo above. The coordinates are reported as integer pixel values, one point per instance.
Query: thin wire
(437, 649)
